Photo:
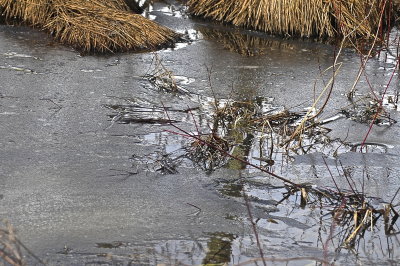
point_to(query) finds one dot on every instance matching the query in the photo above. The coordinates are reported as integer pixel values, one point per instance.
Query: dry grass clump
(32, 12)
(91, 25)
(39, 12)
(94, 28)
(303, 18)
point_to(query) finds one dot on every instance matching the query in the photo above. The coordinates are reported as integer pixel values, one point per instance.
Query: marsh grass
(304, 18)
(91, 26)
(95, 28)
(39, 12)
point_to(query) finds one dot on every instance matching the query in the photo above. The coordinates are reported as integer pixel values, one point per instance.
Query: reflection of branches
(208, 158)
(211, 145)
(244, 44)
(164, 163)
(350, 209)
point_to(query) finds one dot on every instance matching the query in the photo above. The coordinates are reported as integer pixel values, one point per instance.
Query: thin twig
(253, 224)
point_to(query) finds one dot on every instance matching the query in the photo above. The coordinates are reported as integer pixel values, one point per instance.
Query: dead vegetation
(350, 209)
(304, 18)
(161, 78)
(11, 248)
(91, 26)
(208, 157)
(368, 110)
(353, 212)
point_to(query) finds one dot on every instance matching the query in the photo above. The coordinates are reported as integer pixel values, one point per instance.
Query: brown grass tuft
(94, 28)
(38, 12)
(91, 25)
(303, 18)
(32, 12)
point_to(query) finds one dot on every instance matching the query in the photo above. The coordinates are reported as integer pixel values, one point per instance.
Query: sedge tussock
(32, 12)
(98, 29)
(91, 25)
(38, 12)
(304, 18)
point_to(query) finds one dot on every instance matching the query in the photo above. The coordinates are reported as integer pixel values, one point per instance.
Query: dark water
(92, 172)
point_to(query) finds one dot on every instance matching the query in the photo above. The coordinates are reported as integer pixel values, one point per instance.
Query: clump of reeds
(39, 12)
(91, 26)
(303, 18)
(94, 28)
(32, 12)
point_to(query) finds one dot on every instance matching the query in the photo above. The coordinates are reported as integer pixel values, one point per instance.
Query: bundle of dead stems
(350, 209)
(91, 26)
(303, 18)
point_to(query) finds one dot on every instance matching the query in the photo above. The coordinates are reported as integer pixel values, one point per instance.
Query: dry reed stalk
(305, 18)
(32, 12)
(360, 16)
(91, 25)
(10, 249)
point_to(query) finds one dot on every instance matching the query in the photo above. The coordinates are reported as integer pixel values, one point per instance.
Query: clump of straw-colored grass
(32, 12)
(303, 18)
(38, 12)
(93, 28)
(91, 25)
